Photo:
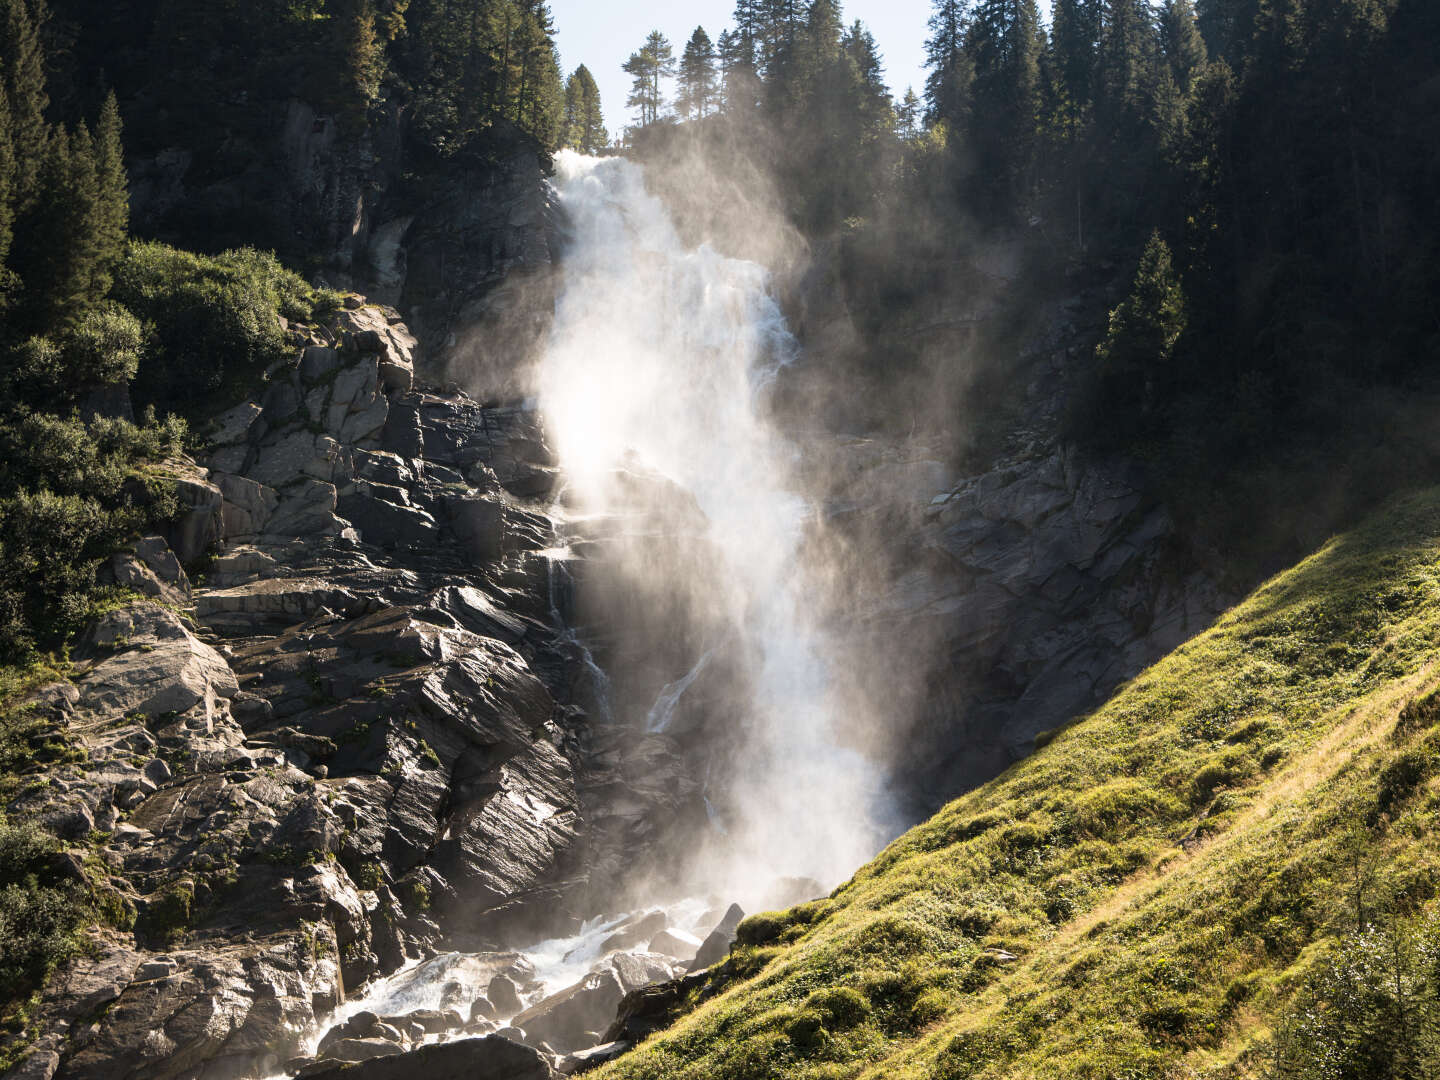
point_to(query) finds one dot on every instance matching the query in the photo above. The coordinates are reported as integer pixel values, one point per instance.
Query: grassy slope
(1141, 897)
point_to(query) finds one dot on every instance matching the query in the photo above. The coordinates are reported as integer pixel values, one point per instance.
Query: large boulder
(568, 1020)
(161, 666)
(489, 1058)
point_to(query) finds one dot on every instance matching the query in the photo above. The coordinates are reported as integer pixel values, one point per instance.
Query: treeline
(90, 321)
(1275, 162)
(788, 82)
(200, 69)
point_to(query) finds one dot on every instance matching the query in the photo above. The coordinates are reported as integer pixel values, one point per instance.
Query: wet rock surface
(349, 732)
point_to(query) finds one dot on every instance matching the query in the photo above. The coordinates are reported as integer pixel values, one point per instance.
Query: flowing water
(658, 364)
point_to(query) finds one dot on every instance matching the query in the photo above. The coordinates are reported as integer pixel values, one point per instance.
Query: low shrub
(40, 913)
(213, 320)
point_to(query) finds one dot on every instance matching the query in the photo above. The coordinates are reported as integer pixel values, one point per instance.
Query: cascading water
(658, 364)
(655, 378)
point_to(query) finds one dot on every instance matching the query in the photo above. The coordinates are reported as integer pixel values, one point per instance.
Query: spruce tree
(112, 185)
(584, 122)
(697, 83)
(58, 251)
(1074, 38)
(1137, 352)
(1126, 51)
(655, 60)
(7, 195)
(1181, 42)
(740, 81)
(1006, 43)
(948, 86)
(907, 116)
(22, 63)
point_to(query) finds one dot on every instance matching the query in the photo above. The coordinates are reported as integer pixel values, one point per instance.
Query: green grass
(1152, 891)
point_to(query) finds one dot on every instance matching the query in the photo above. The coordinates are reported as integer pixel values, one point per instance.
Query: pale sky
(601, 34)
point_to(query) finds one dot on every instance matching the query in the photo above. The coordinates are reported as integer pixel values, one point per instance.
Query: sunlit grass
(1142, 897)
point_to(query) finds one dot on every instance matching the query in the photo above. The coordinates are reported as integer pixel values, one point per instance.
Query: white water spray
(658, 363)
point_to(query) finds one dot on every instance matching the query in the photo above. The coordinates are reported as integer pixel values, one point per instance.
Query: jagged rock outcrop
(362, 737)
(1016, 597)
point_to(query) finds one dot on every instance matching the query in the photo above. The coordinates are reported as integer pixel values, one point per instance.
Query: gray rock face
(567, 1020)
(716, 945)
(1040, 585)
(366, 744)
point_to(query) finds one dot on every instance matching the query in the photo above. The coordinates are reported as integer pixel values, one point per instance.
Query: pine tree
(22, 63)
(738, 57)
(948, 86)
(1181, 42)
(7, 195)
(58, 252)
(1136, 354)
(1074, 39)
(1006, 42)
(907, 116)
(779, 25)
(361, 54)
(112, 185)
(696, 91)
(654, 61)
(584, 122)
(1126, 52)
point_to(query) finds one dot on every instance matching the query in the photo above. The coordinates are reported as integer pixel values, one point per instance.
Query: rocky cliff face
(464, 245)
(1016, 596)
(353, 735)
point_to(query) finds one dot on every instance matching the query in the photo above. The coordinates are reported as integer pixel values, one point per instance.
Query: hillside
(1239, 842)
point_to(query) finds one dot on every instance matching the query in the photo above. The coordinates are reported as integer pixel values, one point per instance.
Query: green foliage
(477, 66)
(653, 61)
(168, 913)
(584, 122)
(213, 321)
(1134, 360)
(40, 914)
(1370, 1007)
(696, 95)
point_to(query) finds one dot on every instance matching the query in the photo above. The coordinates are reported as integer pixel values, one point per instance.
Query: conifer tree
(58, 252)
(7, 195)
(1126, 50)
(22, 66)
(112, 185)
(655, 60)
(907, 116)
(1006, 43)
(697, 78)
(1181, 42)
(1074, 39)
(584, 121)
(948, 85)
(1136, 354)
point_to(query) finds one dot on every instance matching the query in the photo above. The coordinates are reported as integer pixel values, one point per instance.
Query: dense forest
(110, 345)
(1261, 171)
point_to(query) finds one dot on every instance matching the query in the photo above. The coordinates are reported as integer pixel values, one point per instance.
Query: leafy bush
(66, 503)
(39, 916)
(213, 319)
(1370, 1009)
(101, 348)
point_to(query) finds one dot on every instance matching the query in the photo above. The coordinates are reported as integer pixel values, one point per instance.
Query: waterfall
(657, 367)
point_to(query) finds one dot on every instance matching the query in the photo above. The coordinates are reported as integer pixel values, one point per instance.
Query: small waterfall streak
(663, 711)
